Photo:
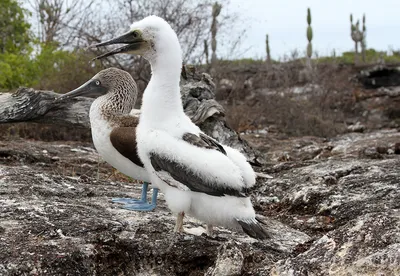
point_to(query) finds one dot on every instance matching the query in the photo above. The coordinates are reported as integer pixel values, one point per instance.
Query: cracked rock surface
(330, 209)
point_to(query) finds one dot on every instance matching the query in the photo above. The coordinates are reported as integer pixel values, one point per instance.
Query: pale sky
(285, 22)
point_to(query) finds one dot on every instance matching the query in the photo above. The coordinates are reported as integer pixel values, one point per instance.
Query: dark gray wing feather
(195, 183)
(203, 141)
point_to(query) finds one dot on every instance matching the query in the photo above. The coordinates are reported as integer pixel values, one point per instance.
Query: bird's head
(149, 37)
(108, 81)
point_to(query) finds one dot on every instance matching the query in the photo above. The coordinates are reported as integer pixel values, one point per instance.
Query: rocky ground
(333, 207)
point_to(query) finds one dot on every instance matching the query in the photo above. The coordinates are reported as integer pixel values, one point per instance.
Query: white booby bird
(114, 128)
(197, 175)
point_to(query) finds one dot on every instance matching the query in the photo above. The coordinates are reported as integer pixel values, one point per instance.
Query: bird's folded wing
(123, 140)
(167, 178)
(203, 141)
(197, 178)
(235, 156)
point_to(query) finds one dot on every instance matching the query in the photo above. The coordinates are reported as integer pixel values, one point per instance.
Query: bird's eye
(97, 83)
(135, 34)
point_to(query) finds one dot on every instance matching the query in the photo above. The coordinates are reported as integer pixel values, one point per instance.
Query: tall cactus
(267, 50)
(206, 50)
(309, 38)
(358, 37)
(363, 42)
(216, 10)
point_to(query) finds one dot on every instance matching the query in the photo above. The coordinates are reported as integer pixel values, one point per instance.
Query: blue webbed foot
(139, 204)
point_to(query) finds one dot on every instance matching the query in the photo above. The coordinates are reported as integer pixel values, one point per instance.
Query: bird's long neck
(162, 97)
(113, 105)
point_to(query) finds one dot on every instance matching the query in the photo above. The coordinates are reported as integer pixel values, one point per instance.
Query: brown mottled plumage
(113, 128)
(116, 107)
(121, 96)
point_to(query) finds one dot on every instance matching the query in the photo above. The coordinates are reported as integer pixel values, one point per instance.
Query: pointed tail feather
(253, 228)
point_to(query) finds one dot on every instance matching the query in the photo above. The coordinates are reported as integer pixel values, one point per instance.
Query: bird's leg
(209, 230)
(179, 222)
(154, 197)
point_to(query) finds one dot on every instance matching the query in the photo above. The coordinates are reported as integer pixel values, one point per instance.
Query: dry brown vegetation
(43, 132)
(288, 97)
(257, 97)
(284, 97)
(277, 98)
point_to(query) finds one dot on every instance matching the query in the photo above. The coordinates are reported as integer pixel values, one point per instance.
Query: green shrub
(16, 70)
(61, 70)
(50, 69)
(14, 29)
(26, 62)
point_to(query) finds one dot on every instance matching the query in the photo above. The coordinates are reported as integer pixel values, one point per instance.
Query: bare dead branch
(197, 91)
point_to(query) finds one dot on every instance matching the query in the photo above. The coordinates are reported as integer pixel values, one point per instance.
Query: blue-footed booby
(198, 176)
(114, 128)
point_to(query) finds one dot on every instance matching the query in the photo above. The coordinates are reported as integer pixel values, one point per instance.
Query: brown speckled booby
(114, 128)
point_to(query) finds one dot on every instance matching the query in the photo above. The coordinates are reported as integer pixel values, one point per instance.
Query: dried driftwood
(27, 104)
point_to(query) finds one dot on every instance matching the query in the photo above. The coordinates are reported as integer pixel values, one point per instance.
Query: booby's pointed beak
(133, 39)
(91, 88)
